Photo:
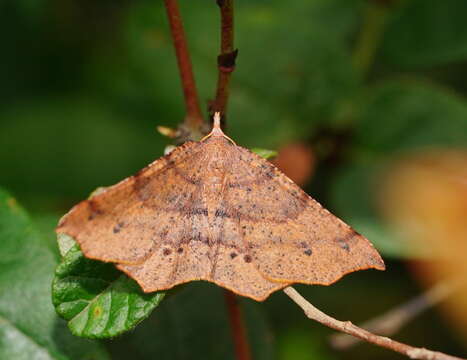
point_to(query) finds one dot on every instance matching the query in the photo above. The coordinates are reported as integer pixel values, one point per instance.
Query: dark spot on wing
(247, 258)
(308, 252)
(167, 252)
(343, 244)
(118, 227)
(180, 250)
(94, 210)
(270, 174)
(233, 255)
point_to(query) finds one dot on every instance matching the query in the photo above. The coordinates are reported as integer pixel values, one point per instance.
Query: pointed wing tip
(61, 223)
(60, 228)
(379, 264)
(375, 261)
(63, 228)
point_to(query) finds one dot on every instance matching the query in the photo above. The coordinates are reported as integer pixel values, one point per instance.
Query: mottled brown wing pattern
(129, 221)
(184, 258)
(223, 263)
(290, 236)
(232, 265)
(205, 247)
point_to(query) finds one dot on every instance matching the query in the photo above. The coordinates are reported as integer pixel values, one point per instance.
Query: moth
(215, 211)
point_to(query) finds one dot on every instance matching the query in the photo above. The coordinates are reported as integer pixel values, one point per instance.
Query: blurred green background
(355, 83)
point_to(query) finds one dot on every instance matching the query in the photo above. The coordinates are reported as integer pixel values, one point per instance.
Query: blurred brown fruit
(424, 196)
(297, 161)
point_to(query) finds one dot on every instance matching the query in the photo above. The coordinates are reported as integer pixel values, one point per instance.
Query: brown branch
(242, 348)
(392, 321)
(226, 65)
(226, 59)
(194, 118)
(347, 327)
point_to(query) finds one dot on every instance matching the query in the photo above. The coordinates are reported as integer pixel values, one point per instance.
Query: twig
(349, 328)
(392, 321)
(226, 65)
(242, 348)
(194, 118)
(226, 59)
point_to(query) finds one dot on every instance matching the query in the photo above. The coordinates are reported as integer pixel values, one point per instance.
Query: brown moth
(212, 210)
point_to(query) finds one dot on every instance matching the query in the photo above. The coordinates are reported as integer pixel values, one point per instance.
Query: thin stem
(242, 348)
(347, 327)
(392, 321)
(226, 59)
(194, 118)
(226, 65)
(227, 25)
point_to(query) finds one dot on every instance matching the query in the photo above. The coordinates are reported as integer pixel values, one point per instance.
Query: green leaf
(427, 33)
(98, 300)
(401, 116)
(65, 243)
(29, 326)
(264, 153)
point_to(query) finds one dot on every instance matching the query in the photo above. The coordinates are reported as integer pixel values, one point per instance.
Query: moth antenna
(217, 120)
(216, 128)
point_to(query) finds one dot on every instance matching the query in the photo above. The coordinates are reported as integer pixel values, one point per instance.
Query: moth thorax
(216, 170)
